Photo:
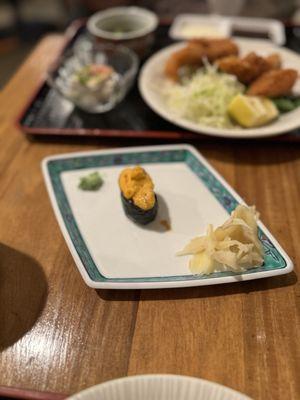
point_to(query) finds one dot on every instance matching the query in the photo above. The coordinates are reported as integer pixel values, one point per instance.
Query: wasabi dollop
(91, 182)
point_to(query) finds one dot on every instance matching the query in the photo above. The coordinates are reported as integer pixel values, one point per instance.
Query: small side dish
(94, 77)
(94, 83)
(191, 26)
(234, 246)
(137, 194)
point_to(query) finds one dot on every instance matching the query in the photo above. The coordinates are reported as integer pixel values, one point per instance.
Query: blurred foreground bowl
(159, 387)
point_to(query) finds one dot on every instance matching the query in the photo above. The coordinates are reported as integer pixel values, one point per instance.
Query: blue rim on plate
(275, 259)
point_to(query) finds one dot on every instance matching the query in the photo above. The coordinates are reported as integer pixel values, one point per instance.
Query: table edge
(19, 393)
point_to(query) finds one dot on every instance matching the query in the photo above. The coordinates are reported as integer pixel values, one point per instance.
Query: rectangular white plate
(272, 28)
(112, 252)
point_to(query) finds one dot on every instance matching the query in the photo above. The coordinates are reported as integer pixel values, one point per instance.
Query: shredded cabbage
(204, 98)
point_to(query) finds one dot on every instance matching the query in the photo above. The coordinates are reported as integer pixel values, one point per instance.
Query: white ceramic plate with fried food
(152, 82)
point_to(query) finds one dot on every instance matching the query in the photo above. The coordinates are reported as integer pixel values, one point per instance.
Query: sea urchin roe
(234, 246)
(136, 185)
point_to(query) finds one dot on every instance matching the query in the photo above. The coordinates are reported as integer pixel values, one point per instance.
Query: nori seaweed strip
(137, 214)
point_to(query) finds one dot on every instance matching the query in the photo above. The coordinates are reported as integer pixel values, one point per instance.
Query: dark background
(23, 22)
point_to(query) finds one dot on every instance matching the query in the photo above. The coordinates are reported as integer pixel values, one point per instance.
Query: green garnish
(92, 181)
(286, 104)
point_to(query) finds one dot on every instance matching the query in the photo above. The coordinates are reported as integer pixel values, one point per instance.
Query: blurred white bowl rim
(159, 387)
(150, 22)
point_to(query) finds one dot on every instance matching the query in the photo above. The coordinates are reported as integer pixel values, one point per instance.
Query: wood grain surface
(58, 335)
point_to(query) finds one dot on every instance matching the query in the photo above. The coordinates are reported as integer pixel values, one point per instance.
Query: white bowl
(159, 387)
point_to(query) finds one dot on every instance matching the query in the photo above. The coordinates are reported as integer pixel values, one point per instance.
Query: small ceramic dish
(75, 75)
(132, 27)
(188, 26)
(159, 387)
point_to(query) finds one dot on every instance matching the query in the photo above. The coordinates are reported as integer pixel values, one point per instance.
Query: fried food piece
(258, 64)
(274, 61)
(195, 51)
(215, 48)
(236, 66)
(246, 69)
(274, 83)
(186, 56)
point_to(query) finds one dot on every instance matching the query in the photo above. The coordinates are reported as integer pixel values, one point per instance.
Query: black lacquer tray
(47, 113)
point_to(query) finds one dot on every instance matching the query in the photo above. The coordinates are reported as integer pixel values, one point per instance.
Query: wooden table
(58, 335)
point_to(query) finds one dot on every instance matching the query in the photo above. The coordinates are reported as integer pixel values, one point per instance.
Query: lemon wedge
(252, 111)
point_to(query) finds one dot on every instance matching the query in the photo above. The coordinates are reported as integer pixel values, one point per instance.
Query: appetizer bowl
(94, 77)
(132, 27)
(159, 387)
